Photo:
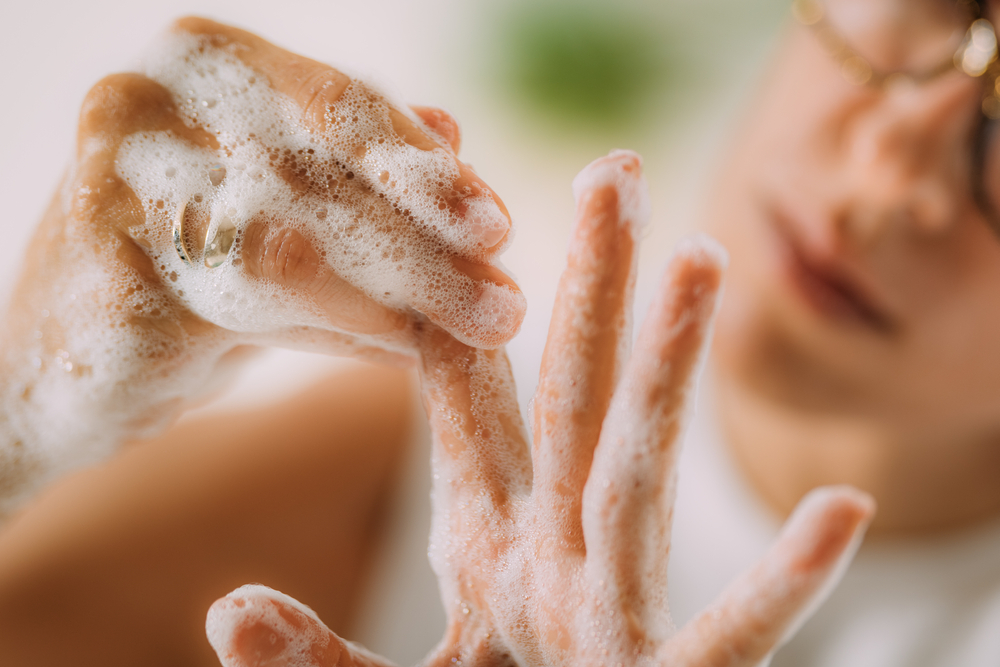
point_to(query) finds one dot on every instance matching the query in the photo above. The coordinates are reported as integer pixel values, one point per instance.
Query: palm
(556, 554)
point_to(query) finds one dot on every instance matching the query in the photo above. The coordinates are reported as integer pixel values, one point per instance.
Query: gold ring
(179, 234)
(218, 245)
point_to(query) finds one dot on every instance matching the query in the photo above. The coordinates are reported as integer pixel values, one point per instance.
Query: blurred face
(864, 280)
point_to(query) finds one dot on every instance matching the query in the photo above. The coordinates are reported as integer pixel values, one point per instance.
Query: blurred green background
(580, 67)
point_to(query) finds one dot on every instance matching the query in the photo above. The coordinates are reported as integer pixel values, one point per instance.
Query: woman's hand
(233, 193)
(558, 556)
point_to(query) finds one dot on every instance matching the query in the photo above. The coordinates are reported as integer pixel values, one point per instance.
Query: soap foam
(255, 605)
(622, 170)
(292, 641)
(384, 215)
(529, 573)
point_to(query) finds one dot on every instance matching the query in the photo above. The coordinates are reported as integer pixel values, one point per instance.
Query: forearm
(49, 425)
(72, 400)
(15, 465)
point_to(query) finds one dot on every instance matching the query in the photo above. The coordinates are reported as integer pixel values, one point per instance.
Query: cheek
(955, 375)
(956, 356)
(783, 146)
(794, 132)
(733, 218)
(785, 138)
(945, 366)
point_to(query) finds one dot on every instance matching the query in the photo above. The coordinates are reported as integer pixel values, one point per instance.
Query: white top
(913, 603)
(927, 603)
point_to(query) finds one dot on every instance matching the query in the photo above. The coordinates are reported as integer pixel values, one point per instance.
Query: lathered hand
(559, 556)
(234, 193)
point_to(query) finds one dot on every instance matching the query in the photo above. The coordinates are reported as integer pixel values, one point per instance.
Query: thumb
(255, 626)
(766, 605)
(284, 256)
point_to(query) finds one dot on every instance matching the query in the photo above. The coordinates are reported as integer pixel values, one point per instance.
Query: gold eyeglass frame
(976, 56)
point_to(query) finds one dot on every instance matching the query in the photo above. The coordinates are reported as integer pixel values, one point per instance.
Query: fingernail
(704, 249)
(488, 225)
(622, 170)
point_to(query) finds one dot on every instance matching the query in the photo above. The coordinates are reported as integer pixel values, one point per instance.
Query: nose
(908, 154)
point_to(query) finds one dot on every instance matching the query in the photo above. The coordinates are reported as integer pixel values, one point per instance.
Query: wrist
(21, 465)
(71, 396)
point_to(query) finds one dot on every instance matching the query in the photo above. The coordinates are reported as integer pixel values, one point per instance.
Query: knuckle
(253, 248)
(216, 34)
(282, 256)
(124, 103)
(194, 25)
(294, 258)
(321, 86)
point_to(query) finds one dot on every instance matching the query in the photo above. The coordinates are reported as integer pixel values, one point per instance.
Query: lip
(826, 281)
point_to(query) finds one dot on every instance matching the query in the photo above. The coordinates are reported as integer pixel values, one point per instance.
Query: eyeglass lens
(901, 35)
(914, 37)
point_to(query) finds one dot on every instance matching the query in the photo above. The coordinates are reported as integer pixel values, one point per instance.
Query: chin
(778, 345)
(755, 350)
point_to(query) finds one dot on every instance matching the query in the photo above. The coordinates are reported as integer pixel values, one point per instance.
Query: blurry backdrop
(540, 88)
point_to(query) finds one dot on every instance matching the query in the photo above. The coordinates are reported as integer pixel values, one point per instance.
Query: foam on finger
(629, 494)
(622, 170)
(822, 536)
(384, 214)
(589, 335)
(766, 605)
(255, 623)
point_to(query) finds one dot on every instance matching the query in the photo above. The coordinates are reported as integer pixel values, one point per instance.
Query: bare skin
(120, 562)
(568, 531)
(857, 340)
(557, 556)
(89, 271)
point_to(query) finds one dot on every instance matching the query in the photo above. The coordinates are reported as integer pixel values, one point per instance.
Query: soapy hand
(315, 183)
(558, 556)
(235, 193)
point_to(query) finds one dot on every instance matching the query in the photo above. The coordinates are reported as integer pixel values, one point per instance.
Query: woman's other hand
(235, 193)
(558, 556)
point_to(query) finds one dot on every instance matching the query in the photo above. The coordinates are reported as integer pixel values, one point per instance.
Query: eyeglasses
(884, 43)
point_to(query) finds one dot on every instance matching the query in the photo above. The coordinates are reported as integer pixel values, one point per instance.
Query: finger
(311, 84)
(442, 123)
(403, 267)
(477, 303)
(114, 108)
(474, 301)
(479, 440)
(588, 337)
(318, 88)
(285, 257)
(255, 626)
(388, 350)
(461, 197)
(628, 497)
(384, 200)
(765, 606)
